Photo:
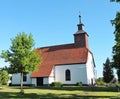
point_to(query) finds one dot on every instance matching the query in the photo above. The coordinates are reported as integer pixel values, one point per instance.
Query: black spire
(80, 19)
(80, 25)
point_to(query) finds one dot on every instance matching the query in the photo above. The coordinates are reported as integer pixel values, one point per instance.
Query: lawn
(60, 93)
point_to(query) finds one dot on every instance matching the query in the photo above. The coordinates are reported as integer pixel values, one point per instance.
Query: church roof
(59, 55)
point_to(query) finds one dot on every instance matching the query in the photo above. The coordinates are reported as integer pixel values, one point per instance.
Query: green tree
(107, 71)
(4, 77)
(23, 58)
(116, 47)
(115, 0)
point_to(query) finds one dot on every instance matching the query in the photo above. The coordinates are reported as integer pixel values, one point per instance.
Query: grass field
(60, 93)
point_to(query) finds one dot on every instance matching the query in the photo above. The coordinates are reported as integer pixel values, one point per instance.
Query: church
(67, 63)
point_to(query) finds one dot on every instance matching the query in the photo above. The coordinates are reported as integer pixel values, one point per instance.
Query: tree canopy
(115, 0)
(22, 57)
(116, 47)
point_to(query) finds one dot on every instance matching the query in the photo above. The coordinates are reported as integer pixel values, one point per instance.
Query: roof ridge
(56, 45)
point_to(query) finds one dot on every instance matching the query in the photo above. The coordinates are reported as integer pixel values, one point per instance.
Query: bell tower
(80, 37)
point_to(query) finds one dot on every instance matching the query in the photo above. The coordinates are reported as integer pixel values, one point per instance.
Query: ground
(60, 93)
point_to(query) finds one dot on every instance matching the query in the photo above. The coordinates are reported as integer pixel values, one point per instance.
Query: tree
(107, 71)
(116, 47)
(115, 0)
(4, 77)
(23, 58)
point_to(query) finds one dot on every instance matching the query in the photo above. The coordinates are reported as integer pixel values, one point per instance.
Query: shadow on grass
(93, 89)
(16, 95)
(66, 88)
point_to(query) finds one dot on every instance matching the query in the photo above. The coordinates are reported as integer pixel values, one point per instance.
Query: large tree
(23, 58)
(116, 47)
(107, 71)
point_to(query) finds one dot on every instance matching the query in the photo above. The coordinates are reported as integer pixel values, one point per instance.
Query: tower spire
(80, 37)
(80, 22)
(80, 25)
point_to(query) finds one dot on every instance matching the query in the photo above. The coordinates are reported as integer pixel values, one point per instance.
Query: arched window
(67, 75)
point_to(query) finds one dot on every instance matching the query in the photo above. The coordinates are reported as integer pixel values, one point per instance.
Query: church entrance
(39, 81)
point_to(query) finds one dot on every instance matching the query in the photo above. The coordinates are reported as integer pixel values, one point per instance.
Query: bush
(56, 84)
(118, 84)
(100, 82)
(114, 80)
(79, 84)
(4, 77)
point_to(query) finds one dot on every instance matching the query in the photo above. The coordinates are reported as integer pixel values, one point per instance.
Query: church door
(39, 81)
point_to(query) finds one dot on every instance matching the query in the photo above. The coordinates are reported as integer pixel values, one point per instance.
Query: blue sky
(53, 22)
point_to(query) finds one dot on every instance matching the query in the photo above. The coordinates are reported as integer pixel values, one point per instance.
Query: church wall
(45, 81)
(90, 69)
(16, 79)
(34, 81)
(51, 77)
(77, 71)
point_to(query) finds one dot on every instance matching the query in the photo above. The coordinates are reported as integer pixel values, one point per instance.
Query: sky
(53, 22)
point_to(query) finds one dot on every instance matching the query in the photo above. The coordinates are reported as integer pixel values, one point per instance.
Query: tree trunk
(21, 83)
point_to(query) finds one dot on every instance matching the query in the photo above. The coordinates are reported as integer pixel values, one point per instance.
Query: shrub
(56, 84)
(4, 77)
(100, 81)
(79, 84)
(118, 84)
(114, 80)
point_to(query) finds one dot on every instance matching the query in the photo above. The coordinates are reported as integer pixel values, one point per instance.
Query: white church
(68, 63)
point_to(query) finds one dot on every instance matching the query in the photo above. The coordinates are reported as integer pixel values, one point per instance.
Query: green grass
(60, 93)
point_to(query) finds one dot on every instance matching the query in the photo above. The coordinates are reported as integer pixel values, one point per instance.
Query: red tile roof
(58, 55)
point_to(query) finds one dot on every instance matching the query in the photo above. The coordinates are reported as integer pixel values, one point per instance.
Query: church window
(67, 75)
(24, 77)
